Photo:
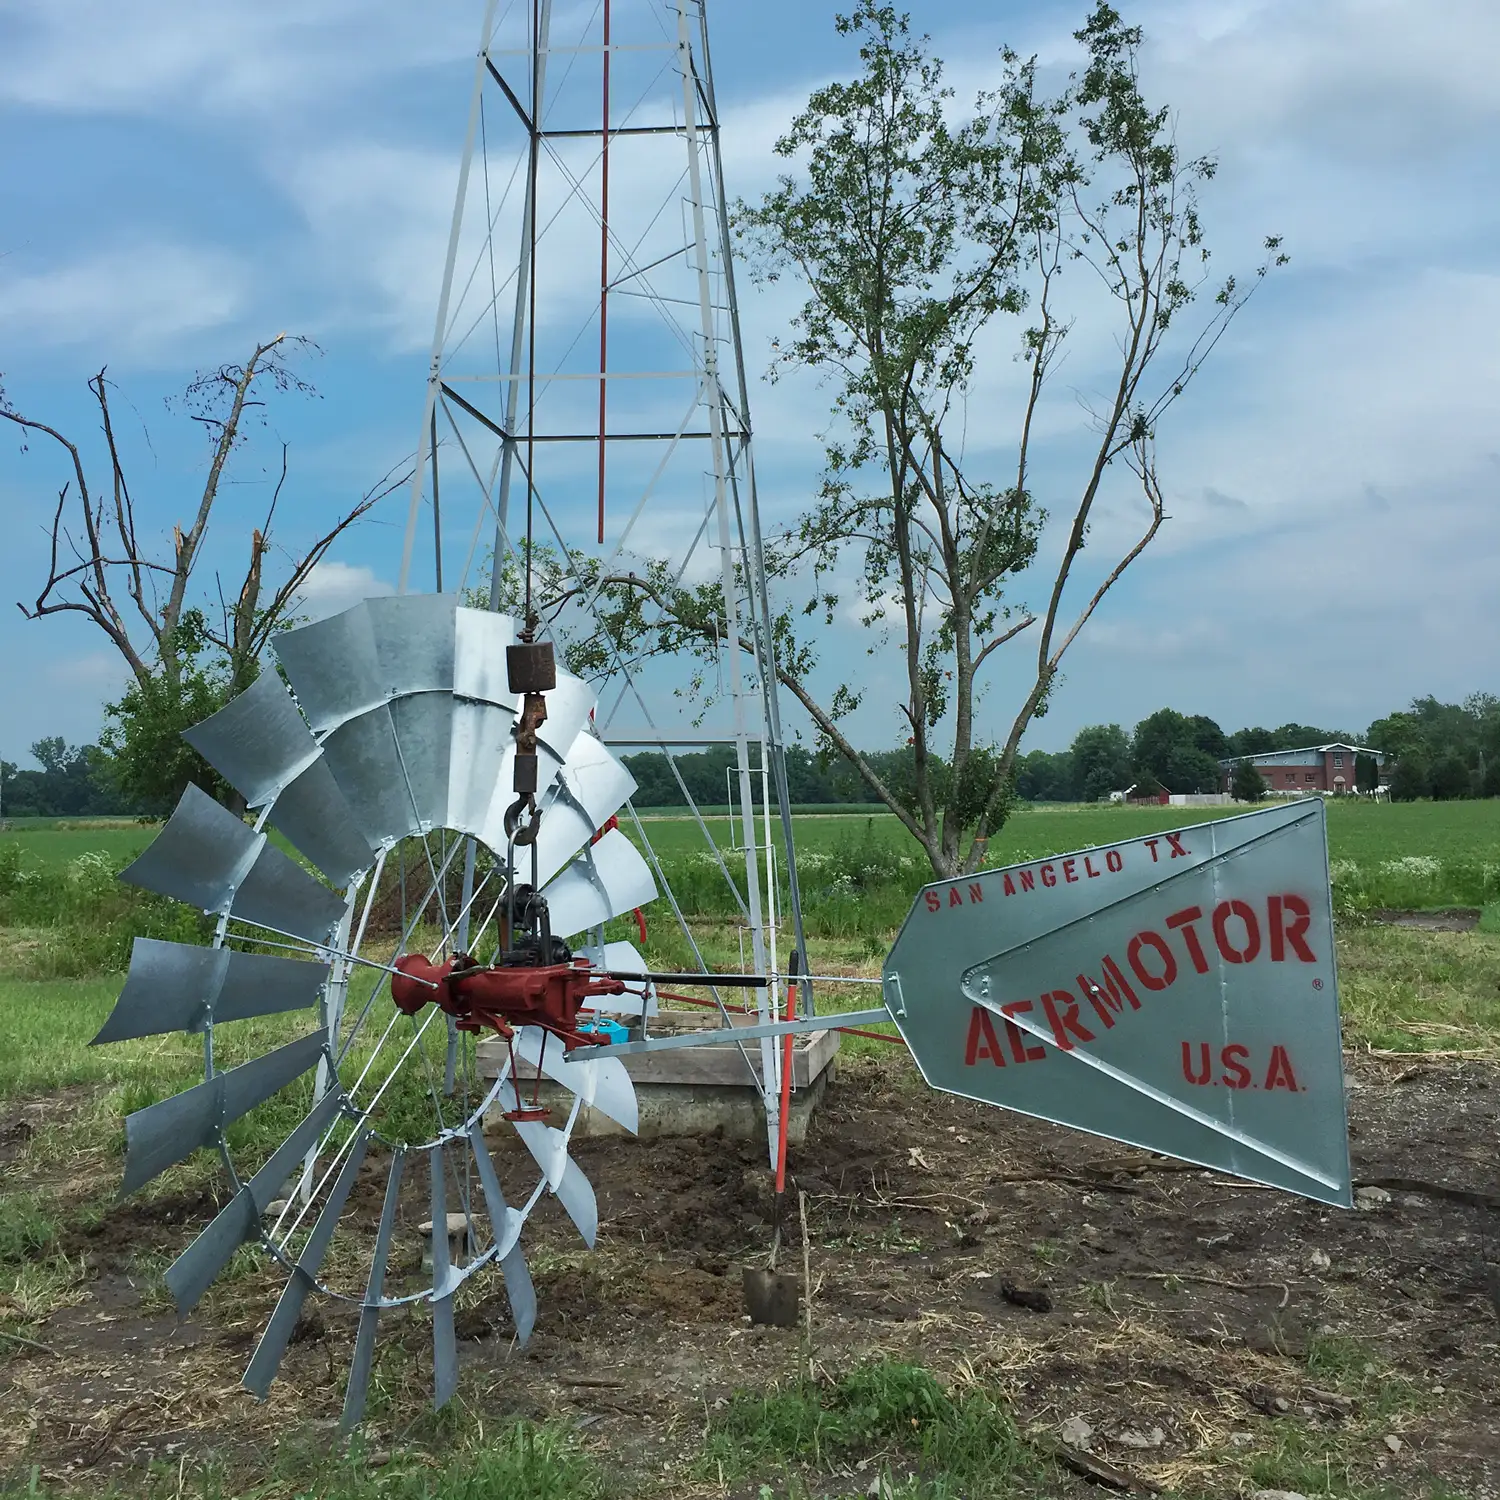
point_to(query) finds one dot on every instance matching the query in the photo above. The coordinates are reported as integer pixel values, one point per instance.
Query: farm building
(1316, 768)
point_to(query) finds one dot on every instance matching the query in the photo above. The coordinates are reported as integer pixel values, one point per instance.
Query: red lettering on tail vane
(982, 1042)
(1279, 1073)
(1222, 913)
(1236, 1074)
(1062, 1016)
(1019, 1049)
(1185, 919)
(1294, 932)
(1114, 861)
(956, 897)
(1198, 1069)
(1109, 1001)
(1199, 1075)
(1158, 945)
(1028, 880)
(1175, 840)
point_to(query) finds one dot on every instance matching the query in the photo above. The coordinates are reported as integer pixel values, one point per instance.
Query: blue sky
(182, 179)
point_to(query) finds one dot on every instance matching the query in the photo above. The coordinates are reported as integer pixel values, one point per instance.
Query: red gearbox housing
(545, 995)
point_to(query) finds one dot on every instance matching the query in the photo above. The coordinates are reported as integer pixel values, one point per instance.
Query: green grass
(1335, 1462)
(859, 870)
(897, 1415)
(522, 1461)
(52, 842)
(1443, 984)
(1361, 831)
(859, 873)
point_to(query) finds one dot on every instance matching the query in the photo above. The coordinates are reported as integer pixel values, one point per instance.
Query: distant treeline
(74, 782)
(705, 775)
(1169, 749)
(1440, 750)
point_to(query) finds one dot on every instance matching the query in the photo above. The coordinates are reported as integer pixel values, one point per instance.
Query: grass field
(66, 923)
(1363, 831)
(1359, 831)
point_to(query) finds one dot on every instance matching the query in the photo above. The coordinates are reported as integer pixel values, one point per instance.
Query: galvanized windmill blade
(389, 758)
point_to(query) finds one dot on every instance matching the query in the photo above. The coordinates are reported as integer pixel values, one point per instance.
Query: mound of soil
(1454, 919)
(1077, 1278)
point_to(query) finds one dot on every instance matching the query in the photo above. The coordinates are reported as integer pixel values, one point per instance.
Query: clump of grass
(27, 1227)
(41, 1286)
(887, 1410)
(522, 1462)
(1415, 991)
(84, 917)
(1414, 882)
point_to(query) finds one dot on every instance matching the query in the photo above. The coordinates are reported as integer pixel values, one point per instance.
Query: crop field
(1210, 1338)
(1359, 831)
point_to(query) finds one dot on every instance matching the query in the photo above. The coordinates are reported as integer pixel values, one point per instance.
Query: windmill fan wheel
(387, 771)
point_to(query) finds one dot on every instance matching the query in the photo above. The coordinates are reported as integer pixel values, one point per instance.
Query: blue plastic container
(611, 1030)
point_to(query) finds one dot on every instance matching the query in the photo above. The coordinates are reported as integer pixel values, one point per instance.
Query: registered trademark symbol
(1317, 984)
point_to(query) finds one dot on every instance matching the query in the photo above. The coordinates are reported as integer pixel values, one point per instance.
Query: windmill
(452, 794)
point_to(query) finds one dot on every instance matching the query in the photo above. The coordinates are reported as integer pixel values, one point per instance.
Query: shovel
(770, 1296)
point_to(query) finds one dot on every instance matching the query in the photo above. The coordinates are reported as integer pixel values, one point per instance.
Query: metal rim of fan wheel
(398, 726)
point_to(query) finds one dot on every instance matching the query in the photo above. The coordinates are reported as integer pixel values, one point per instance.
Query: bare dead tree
(101, 567)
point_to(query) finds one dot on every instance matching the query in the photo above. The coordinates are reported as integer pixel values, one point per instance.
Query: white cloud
(101, 672)
(376, 218)
(132, 300)
(335, 586)
(1363, 374)
(154, 56)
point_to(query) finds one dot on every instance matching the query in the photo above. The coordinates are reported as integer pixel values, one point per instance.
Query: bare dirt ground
(1452, 919)
(1189, 1320)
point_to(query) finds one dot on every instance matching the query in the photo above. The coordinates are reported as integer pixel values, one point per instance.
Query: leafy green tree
(1395, 734)
(1489, 777)
(1101, 761)
(1300, 736)
(150, 761)
(1251, 742)
(1188, 769)
(1146, 787)
(1466, 733)
(1043, 776)
(1451, 778)
(1366, 772)
(925, 239)
(1248, 784)
(1165, 744)
(1208, 737)
(1411, 779)
(73, 782)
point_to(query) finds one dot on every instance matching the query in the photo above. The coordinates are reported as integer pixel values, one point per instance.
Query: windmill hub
(505, 996)
(536, 981)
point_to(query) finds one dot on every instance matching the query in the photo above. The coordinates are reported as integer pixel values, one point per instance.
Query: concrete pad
(703, 1090)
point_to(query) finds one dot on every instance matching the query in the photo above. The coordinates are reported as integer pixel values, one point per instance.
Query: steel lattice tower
(587, 385)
